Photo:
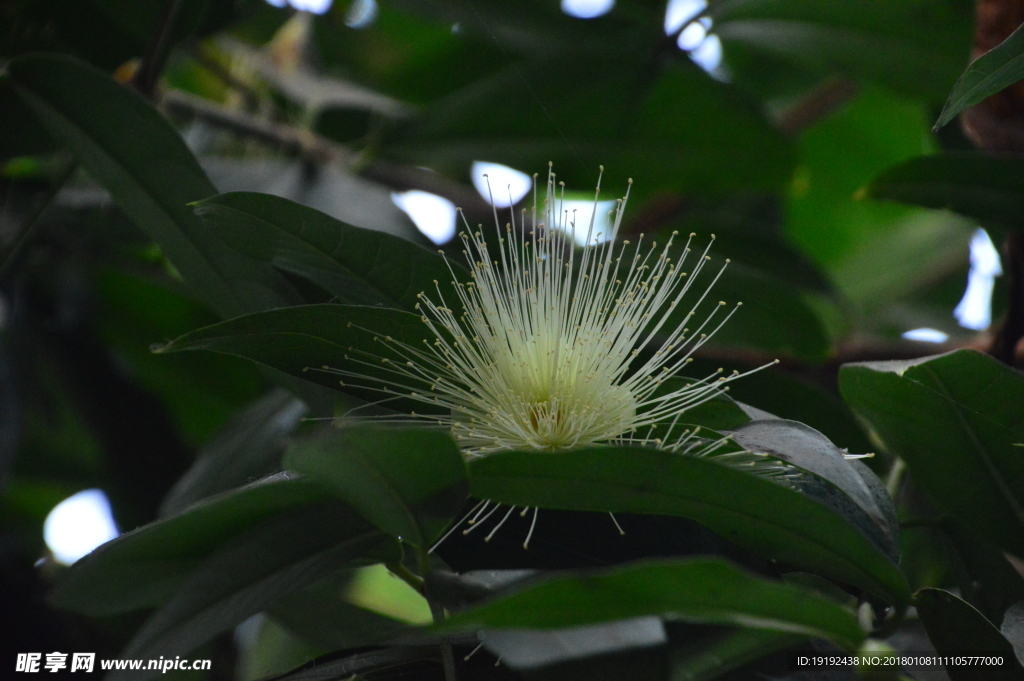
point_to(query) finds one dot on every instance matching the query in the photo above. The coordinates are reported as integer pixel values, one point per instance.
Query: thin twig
(313, 147)
(406, 575)
(158, 50)
(437, 612)
(209, 62)
(822, 101)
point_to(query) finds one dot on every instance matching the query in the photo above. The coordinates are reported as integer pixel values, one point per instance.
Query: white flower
(538, 350)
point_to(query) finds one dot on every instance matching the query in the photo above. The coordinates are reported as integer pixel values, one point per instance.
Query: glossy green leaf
(955, 419)
(248, 446)
(847, 487)
(356, 266)
(956, 628)
(983, 187)
(316, 342)
(993, 71)
(914, 46)
(409, 483)
(140, 568)
(779, 392)
(751, 511)
(249, 573)
(700, 590)
(139, 158)
(808, 449)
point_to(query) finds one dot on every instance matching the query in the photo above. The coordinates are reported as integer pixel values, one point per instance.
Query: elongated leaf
(357, 266)
(701, 590)
(317, 343)
(140, 568)
(847, 487)
(750, 511)
(530, 648)
(317, 614)
(1012, 628)
(410, 483)
(23, 136)
(734, 648)
(718, 413)
(986, 188)
(956, 628)
(247, 447)
(139, 158)
(347, 666)
(913, 46)
(774, 317)
(954, 419)
(249, 573)
(993, 71)
(805, 447)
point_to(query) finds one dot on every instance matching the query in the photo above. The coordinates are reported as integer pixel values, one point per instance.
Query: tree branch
(320, 150)
(157, 51)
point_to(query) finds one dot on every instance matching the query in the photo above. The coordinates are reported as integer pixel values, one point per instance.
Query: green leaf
(774, 317)
(983, 187)
(993, 71)
(316, 342)
(719, 413)
(412, 59)
(23, 136)
(249, 573)
(140, 568)
(364, 663)
(708, 659)
(357, 266)
(808, 449)
(992, 584)
(634, 103)
(748, 510)
(319, 615)
(271, 650)
(700, 590)
(841, 153)
(956, 628)
(248, 446)
(409, 483)
(914, 46)
(955, 420)
(780, 393)
(139, 158)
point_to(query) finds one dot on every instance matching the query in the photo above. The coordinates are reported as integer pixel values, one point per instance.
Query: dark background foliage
(808, 150)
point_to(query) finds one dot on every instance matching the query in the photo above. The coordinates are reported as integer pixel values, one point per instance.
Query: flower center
(575, 419)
